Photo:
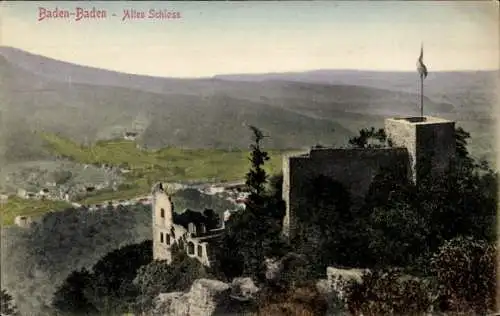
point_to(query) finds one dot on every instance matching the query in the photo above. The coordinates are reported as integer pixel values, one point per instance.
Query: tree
(211, 218)
(70, 298)
(7, 306)
(390, 292)
(111, 289)
(256, 177)
(465, 269)
(326, 225)
(397, 235)
(108, 287)
(161, 277)
(254, 233)
(370, 138)
(304, 300)
(461, 201)
(62, 176)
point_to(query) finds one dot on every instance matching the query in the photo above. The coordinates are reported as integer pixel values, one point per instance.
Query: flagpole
(421, 96)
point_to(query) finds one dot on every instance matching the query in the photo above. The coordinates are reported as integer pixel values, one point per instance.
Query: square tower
(430, 142)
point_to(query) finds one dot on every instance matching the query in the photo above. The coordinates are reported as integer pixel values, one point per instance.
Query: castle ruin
(189, 233)
(415, 141)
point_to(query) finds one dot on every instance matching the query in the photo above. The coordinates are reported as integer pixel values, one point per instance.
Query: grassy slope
(17, 206)
(150, 166)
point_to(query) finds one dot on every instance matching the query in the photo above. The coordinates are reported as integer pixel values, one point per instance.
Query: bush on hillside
(108, 287)
(160, 277)
(390, 292)
(326, 227)
(465, 269)
(7, 306)
(304, 300)
(402, 224)
(36, 260)
(70, 298)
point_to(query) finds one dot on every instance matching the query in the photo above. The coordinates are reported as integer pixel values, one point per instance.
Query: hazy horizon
(260, 73)
(239, 38)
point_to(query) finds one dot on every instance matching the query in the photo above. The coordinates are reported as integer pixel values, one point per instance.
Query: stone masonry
(192, 238)
(413, 141)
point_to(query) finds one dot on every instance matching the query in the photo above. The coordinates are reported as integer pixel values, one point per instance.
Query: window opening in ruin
(162, 213)
(161, 237)
(190, 248)
(200, 251)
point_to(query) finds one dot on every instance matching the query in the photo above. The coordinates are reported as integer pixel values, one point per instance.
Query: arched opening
(200, 251)
(162, 213)
(190, 248)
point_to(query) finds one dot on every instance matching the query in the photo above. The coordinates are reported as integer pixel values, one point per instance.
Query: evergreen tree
(370, 138)
(465, 269)
(7, 306)
(256, 177)
(253, 234)
(70, 298)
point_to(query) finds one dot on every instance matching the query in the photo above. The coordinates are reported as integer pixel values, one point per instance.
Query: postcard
(188, 158)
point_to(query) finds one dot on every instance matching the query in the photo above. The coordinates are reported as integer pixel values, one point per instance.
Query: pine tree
(7, 307)
(256, 177)
(252, 234)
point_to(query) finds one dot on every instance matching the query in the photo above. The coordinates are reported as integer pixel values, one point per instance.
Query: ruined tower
(430, 142)
(162, 223)
(190, 231)
(416, 142)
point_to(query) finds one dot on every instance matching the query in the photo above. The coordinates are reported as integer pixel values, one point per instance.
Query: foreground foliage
(390, 292)
(253, 234)
(159, 277)
(125, 280)
(108, 287)
(465, 270)
(462, 281)
(36, 260)
(7, 306)
(304, 300)
(399, 224)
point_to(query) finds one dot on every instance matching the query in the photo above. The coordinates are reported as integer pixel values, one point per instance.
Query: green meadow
(17, 206)
(146, 168)
(170, 164)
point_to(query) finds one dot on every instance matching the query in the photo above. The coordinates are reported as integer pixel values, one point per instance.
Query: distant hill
(295, 109)
(445, 86)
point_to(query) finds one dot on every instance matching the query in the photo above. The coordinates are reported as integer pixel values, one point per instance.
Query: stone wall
(166, 233)
(431, 138)
(23, 221)
(353, 168)
(162, 225)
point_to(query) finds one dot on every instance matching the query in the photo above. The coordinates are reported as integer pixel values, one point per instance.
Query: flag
(422, 69)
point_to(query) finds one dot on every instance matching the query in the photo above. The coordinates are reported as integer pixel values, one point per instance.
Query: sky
(261, 37)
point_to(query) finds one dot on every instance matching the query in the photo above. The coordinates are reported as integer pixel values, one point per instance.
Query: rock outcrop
(334, 286)
(244, 289)
(205, 298)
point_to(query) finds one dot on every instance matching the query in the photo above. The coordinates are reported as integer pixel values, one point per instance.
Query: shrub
(300, 301)
(7, 306)
(160, 277)
(465, 269)
(389, 292)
